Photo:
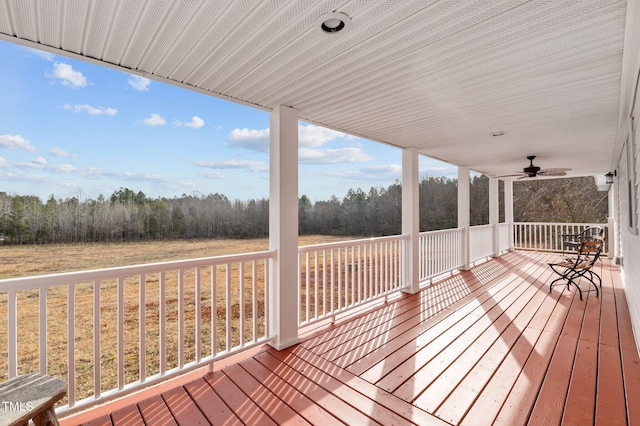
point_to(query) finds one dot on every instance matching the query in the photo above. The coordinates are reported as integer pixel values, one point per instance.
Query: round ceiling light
(333, 23)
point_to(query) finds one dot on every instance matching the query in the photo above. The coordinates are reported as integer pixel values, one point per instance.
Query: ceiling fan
(532, 171)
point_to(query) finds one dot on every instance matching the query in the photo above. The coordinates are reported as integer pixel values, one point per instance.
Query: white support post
(464, 214)
(613, 243)
(494, 216)
(283, 227)
(411, 218)
(508, 209)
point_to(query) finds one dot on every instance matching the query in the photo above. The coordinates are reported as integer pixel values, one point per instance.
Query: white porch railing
(336, 277)
(480, 242)
(548, 236)
(111, 331)
(504, 239)
(440, 252)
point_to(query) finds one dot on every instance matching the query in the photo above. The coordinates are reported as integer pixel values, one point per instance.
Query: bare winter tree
(131, 216)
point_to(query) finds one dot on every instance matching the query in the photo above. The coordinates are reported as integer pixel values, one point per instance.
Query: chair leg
(569, 281)
(590, 278)
(554, 282)
(577, 287)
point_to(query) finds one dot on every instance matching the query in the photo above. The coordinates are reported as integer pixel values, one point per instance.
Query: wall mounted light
(610, 176)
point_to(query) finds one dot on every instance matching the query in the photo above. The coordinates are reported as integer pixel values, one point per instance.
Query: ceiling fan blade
(554, 172)
(512, 175)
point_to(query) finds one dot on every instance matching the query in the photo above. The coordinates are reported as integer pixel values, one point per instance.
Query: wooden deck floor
(486, 346)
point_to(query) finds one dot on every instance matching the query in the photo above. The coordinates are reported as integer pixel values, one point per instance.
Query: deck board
(289, 395)
(272, 406)
(332, 402)
(183, 408)
(243, 407)
(490, 345)
(468, 388)
(428, 363)
(610, 400)
(210, 404)
(127, 416)
(154, 411)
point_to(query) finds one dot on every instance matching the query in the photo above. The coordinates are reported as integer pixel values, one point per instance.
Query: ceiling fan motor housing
(531, 170)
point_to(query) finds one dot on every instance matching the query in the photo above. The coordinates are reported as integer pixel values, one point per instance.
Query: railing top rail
(41, 281)
(486, 225)
(562, 223)
(325, 246)
(441, 231)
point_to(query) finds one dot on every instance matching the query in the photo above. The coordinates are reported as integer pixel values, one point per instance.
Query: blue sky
(72, 128)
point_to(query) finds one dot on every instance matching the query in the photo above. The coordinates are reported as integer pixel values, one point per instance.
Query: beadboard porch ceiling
(438, 75)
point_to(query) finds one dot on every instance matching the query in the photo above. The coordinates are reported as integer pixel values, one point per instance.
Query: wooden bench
(30, 397)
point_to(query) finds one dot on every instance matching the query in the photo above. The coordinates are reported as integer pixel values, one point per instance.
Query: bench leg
(46, 418)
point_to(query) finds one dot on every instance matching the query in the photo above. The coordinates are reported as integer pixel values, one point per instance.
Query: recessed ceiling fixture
(333, 23)
(498, 133)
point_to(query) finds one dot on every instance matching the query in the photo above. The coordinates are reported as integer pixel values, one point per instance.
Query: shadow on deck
(485, 346)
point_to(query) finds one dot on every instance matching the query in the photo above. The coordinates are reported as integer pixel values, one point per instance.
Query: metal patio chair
(571, 270)
(571, 242)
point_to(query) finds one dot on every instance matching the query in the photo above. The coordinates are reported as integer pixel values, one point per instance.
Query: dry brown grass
(18, 261)
(29, 260)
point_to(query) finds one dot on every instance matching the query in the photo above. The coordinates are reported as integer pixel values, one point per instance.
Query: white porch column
(494, 214)
(464, 214)
(612, 223)
(411, 218)
(283, 227)
(508, 209)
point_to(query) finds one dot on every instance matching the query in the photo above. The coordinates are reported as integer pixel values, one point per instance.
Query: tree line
(127, 215)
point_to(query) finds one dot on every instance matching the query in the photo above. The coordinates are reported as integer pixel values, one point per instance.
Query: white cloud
(154, 120)
(139, 83)
(58, 152)
(309, 136)
(255, 140)
(44, 166)
(313, 136)
(195, 123)
(332, 156)
(68, 76)
(67, 168)
(91, 109)
(381, 173)
(47, 56)
(15, 142)
(430, 167)
(3, 163)
(41, 164)
(392, 170)
(212, 175)
(253, 166)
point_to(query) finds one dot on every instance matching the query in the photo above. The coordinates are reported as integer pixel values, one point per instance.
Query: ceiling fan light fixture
(333, 23)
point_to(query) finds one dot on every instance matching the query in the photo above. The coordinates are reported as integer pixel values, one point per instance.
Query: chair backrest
(593, 231)
(590, 251)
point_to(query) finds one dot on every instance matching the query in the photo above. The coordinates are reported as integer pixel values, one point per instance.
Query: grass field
(29, 260)
(20, 261)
